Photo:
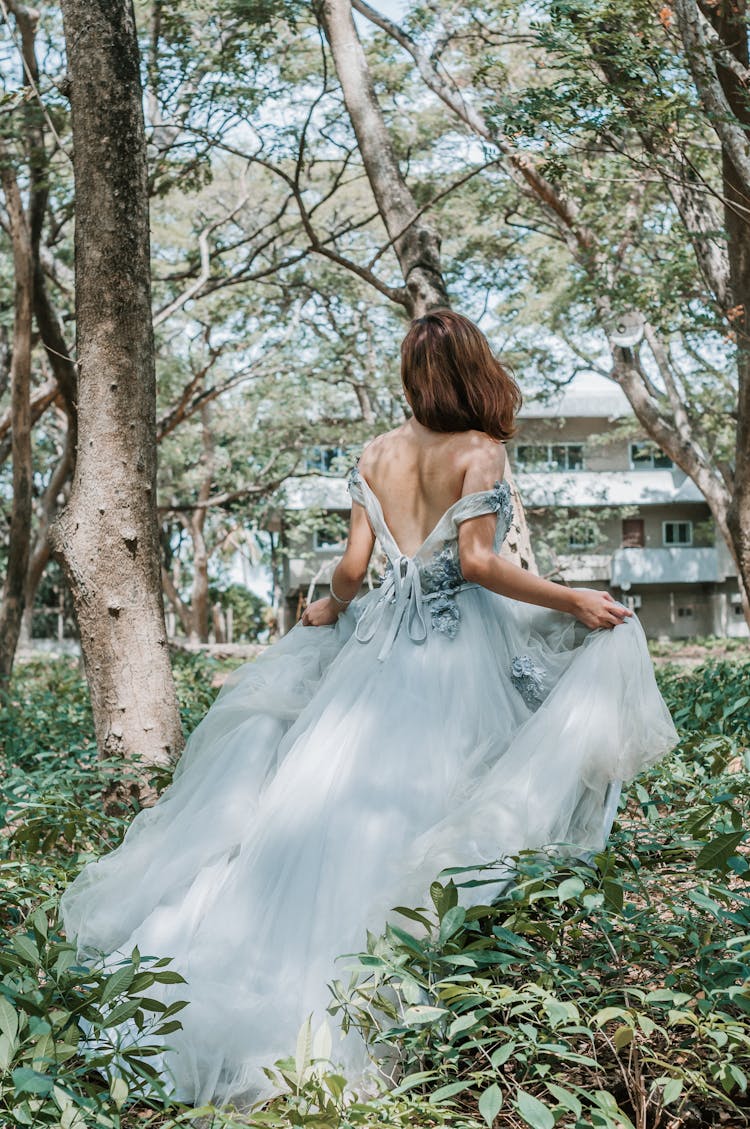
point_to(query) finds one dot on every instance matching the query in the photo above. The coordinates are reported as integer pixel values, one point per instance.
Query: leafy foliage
(610, 992)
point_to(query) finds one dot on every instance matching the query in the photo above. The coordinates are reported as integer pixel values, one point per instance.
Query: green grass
(610, 995)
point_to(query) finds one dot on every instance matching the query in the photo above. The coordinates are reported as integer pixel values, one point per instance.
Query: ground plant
(610, 991)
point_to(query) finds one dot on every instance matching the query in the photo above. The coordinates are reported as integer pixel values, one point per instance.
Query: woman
(461, 712)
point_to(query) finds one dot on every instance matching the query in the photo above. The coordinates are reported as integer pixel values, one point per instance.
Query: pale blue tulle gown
(436, 724)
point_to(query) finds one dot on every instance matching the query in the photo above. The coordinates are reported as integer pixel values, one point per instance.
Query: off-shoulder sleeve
(354, 482)
(494, 501)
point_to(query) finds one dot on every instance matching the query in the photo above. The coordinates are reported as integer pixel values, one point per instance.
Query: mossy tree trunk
(107, 536)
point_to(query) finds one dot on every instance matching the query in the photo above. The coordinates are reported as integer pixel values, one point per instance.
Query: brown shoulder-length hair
(453, 380)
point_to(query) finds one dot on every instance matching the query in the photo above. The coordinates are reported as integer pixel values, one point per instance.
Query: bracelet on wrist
(342, 603)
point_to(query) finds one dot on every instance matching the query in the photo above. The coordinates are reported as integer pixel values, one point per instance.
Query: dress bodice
(422, 588)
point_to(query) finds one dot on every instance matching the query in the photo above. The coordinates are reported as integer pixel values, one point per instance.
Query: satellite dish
(626, 330)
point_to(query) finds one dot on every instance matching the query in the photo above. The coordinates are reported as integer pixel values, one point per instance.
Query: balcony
(666, 566)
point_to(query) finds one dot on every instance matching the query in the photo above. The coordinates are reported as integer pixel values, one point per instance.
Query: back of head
(452, 379)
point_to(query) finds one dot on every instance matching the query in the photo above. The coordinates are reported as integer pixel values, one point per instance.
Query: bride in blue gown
(459, 713)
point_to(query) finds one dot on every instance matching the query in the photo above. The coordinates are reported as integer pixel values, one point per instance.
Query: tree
(415, 241)
(12, 607)
(602, 97)
(106, 537)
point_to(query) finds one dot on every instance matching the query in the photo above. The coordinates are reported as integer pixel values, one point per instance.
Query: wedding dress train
(435, 724)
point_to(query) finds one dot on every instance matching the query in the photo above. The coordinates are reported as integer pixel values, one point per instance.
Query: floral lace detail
(441, 580)
(526, 677)
(445, 613)
(442, 572)
(502, 502)
(412, 585)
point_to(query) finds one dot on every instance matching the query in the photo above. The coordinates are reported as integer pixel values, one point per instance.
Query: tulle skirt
(323, 787)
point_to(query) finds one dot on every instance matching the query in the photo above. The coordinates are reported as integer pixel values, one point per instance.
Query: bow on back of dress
(402, 584)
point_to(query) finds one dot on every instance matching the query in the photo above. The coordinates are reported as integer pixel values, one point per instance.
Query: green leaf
(413, 915)
(39, 921)
(7, 1050)
(118, 1089)
(463, 1023)
(123, 1011)
(407, 940)
(8, 1018)
(424, 1013)
(27, 1081)
(730, 709)
(535, 1113)
(716, 853)
(565, 1098)
(623, 1037)
(451, 922)
(117, 983)
(502, 1054)
(671, 1091)
(609, 1013)
(169, 977)
(490, 1103)
(304, 1048)
(614, 894)
(570, 888)
(449, 1091)
(26, 948)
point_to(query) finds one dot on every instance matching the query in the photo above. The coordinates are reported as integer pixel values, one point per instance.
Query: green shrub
(609, 994)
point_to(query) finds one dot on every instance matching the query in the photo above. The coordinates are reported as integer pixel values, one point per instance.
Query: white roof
(537, 488)
(665, 566)
(593, 397)
(606, 487)
(316, 491)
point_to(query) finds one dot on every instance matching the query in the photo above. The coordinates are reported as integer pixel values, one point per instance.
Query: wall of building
(601, 452)
(668, 610)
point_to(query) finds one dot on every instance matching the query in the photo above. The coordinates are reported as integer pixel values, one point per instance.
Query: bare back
(417, 474)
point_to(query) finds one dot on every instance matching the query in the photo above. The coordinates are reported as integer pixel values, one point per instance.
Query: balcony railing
(665, 566)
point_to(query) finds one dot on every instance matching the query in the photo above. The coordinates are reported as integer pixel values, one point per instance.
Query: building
(606, 510)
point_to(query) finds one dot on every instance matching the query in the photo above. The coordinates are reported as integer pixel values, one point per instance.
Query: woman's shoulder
(376, 447)
(483, 460)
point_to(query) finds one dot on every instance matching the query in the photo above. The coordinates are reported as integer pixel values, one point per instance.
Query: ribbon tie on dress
(403, 588)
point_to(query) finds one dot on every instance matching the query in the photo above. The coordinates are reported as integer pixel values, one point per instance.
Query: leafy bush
(612, 993)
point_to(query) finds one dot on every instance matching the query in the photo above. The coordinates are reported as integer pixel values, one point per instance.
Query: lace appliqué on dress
(442, 572)
(502, 502)
(445, 614)
(526, 677)
(441, 580)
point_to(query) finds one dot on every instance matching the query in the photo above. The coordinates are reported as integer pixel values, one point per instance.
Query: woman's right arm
(480, 564)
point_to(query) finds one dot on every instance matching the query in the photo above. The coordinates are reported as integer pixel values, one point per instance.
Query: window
(646, 456)
(325, 460)
(677, 533)
(583, 535)
(550, 456)
(328, 539)
(685, 612)
(633, 536)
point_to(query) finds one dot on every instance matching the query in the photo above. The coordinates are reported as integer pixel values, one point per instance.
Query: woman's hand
(598, 609)
(320, 613)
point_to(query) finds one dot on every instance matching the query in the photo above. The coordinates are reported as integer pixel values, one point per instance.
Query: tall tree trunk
(11, 610)
(106, 537)
(196, 527)
(731, 23)
(41, 551)
(416, 243)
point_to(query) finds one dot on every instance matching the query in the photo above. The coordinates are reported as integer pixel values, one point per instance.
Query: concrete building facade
(606, 510)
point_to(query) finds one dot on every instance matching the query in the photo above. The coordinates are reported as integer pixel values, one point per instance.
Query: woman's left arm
(348, 574)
